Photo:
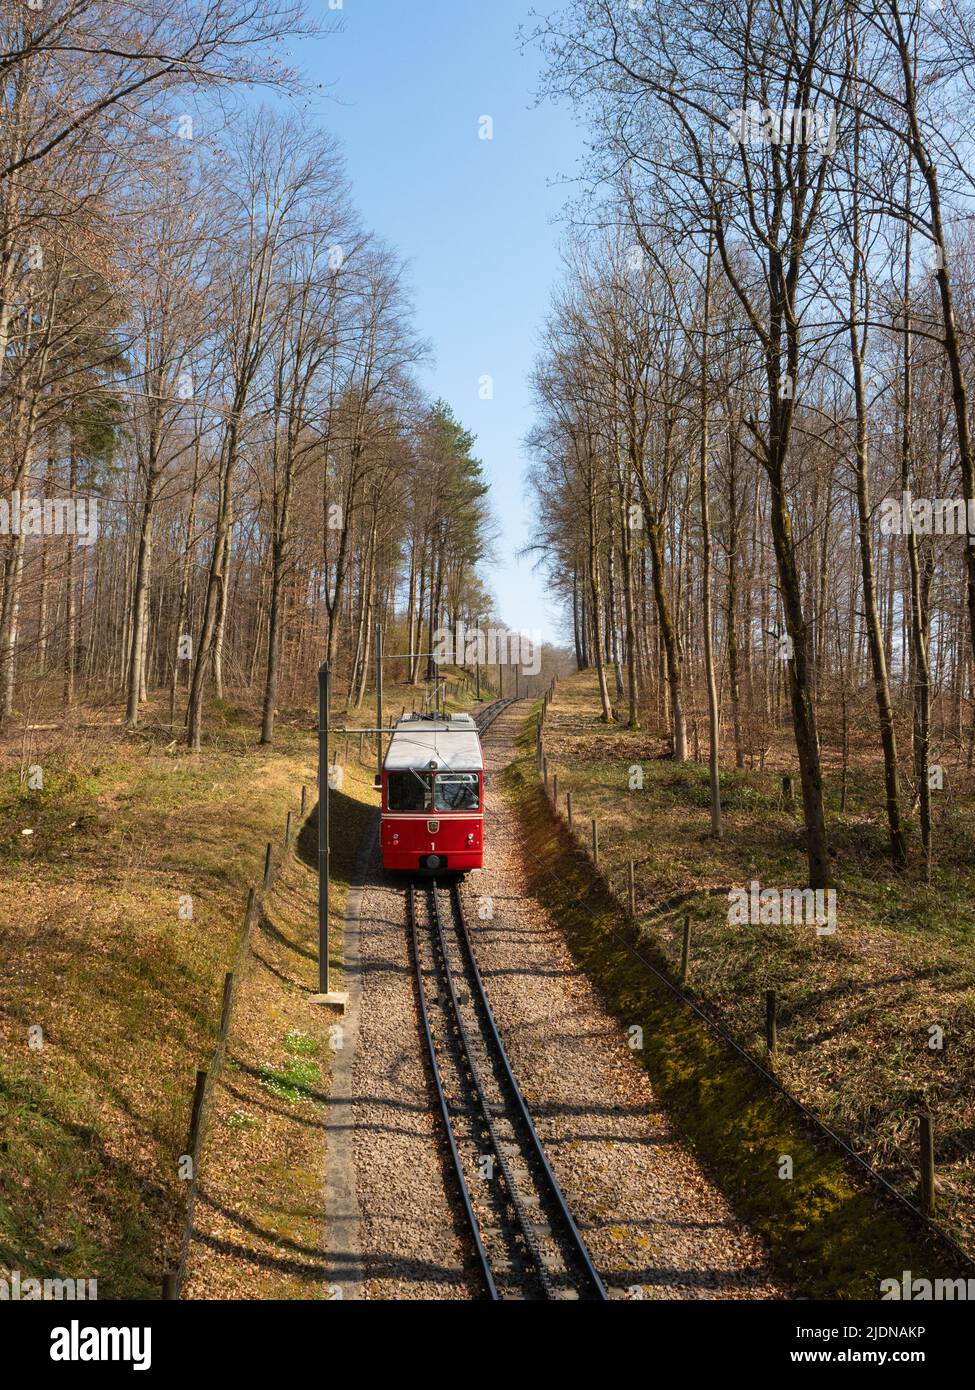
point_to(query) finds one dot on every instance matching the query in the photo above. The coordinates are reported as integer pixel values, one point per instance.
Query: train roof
(451, 743)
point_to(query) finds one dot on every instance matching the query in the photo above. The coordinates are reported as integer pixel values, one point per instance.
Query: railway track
(490, 713)
(526, 1242)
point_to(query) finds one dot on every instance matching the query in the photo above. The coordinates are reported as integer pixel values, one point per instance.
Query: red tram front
(433, 795)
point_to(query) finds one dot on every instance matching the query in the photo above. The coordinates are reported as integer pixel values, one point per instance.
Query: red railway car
(433, 795)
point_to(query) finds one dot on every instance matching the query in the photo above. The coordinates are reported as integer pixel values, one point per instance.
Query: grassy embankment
(855, 1007)
(94, 951)
(98, 868)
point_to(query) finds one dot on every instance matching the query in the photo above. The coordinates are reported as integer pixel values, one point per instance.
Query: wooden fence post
(555, 790)
(267, 866)
(568, 808)
(595, 841)
(631, 874)
(287, 831)
(771, 1022)
(304, 803)
(197, 1111)
(228, 994)
(685, 949)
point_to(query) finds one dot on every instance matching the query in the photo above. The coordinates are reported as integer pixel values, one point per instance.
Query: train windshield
(456, 791)
(410, 791)
(420, 791)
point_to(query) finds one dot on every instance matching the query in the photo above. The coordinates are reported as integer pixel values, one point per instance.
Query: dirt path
(656, 1227)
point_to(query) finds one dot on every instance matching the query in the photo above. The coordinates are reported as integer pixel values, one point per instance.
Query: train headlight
(470, 838)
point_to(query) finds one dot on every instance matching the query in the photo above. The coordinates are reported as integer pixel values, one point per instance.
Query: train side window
(409, 791)
(457, 791)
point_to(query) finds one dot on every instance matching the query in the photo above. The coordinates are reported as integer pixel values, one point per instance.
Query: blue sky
(409, 81)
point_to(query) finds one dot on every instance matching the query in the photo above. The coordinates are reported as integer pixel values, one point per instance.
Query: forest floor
(111, 992)
(861, 1012)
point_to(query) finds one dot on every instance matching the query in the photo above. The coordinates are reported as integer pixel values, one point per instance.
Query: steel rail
(483, 1261)
(570, 1228)
(490, 713)
(484, 1104)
